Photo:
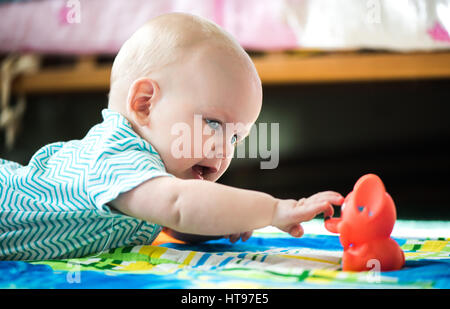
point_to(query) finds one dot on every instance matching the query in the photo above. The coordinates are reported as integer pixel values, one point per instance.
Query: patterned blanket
(270, 259)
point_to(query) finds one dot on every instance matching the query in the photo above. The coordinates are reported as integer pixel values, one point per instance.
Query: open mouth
(200, 171)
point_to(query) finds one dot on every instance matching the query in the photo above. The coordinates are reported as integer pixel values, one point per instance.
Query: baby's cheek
(223, 167)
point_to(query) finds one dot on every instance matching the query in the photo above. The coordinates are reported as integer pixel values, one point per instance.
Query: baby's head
(190, 90)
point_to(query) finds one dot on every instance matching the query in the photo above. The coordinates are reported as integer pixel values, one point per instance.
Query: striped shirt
(56, 206)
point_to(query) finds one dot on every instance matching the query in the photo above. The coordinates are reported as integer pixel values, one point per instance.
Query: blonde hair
(162, 41)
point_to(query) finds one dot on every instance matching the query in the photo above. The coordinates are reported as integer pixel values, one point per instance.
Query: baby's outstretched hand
(289, 214)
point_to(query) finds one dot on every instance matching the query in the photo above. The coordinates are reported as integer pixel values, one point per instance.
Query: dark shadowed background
(330, 135)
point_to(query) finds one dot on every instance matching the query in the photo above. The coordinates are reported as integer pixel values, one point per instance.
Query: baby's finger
(246, 235)
(338, 200)
(228, 237)
(327, 210)
(296, 231)
(332, 197)
(324, 207)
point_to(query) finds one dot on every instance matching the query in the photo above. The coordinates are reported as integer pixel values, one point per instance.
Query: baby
(125, 180)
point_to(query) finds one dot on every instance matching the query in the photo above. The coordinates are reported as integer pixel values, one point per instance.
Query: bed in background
(410, 39)
(101, 26)
(302, 41)
(270, 259)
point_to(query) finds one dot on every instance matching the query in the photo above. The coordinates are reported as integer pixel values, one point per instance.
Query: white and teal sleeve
(115, 172)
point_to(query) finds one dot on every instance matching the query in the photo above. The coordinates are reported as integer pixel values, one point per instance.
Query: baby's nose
(220, 149)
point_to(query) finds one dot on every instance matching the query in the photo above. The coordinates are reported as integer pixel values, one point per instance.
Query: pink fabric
(438, 33)
(47, 25)
(44, 26)
(258, 24)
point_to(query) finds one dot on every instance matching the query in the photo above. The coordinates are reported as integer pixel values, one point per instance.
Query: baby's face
(206, 105)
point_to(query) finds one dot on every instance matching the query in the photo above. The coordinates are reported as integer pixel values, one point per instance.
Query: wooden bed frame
(274, 68)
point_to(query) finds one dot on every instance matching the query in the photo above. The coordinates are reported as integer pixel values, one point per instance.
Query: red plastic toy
(367, 219)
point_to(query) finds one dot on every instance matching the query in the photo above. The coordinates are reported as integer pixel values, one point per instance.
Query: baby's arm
(208, 208)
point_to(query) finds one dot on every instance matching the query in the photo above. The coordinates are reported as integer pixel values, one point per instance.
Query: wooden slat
(84, 76)
(273, 69)
(279, 69)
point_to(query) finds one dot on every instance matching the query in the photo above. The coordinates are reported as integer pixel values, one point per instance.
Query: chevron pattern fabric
(56, 206)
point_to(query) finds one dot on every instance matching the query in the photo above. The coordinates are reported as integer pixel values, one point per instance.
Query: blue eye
(213, 124)
(216, 125)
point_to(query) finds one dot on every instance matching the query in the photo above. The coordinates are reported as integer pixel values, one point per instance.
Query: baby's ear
(368, 194)
(139, 99)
